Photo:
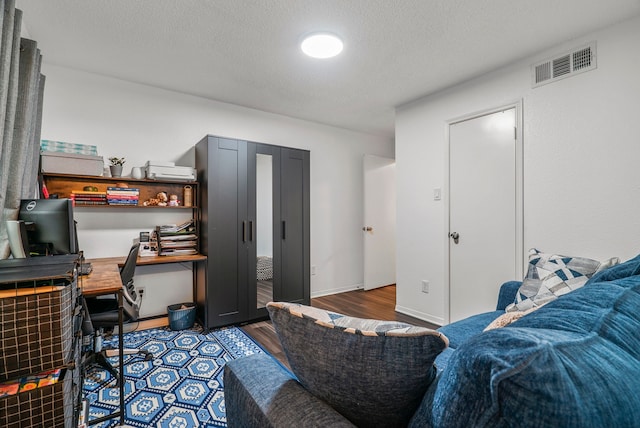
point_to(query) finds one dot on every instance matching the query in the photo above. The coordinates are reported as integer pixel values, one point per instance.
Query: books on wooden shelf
(86, 197)
(123, 195)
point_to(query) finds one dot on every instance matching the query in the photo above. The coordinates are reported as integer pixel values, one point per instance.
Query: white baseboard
(336, 290)
(421, 315)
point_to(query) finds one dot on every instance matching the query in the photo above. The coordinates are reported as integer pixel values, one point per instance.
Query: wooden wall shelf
(64, 184)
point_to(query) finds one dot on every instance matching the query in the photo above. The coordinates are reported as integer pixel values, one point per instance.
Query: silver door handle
(455, 237)
(367, 228)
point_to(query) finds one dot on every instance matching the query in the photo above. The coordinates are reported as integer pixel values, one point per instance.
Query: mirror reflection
(264, 228)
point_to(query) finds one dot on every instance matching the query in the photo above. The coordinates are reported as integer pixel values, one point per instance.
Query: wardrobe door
(225, 231)
(201, 288)
(264, 215)
(294, 226)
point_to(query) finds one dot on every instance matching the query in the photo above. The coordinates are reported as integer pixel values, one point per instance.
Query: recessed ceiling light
(321, 45)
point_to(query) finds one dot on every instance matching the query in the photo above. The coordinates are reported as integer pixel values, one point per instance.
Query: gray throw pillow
(373, 372)
(551, 275)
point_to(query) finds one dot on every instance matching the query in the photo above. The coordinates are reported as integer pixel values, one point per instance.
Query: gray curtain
(21, 95)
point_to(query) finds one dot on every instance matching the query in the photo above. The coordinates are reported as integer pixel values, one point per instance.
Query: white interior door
(379, 221)
(483, 210)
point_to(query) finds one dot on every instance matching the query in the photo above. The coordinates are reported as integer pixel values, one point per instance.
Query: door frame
(519, 197)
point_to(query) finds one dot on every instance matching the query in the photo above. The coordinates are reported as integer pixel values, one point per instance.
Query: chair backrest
(131, 303)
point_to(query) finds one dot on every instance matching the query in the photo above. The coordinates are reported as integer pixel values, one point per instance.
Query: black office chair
(101, 314)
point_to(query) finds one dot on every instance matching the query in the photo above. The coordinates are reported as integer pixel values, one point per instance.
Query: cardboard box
(70, 163)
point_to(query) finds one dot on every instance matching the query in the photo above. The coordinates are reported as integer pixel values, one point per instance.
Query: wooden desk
(105, 277)
(159, 260)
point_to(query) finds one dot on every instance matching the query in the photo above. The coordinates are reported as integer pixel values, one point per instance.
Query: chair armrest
(507, 294)
(259, 392)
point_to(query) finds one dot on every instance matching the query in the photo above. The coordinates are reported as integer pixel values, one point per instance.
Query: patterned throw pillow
(375, 373)
(552, 275)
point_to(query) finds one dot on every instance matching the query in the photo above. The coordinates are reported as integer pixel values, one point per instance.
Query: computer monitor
(50, 226)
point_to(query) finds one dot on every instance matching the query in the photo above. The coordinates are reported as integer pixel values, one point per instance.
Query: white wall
(144, 123)
(581, 155)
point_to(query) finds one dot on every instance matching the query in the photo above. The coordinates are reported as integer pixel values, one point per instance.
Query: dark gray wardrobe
(254, 229)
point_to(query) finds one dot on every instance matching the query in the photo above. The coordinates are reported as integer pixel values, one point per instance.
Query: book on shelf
(123, 197)
(123, 190)
(77, 203)
(87, 192)
(122, 201)
(82, 197)
(81, 194)
(118, 201)
(89, 198)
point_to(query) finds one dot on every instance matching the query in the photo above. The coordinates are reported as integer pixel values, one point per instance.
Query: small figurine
(173, 201)
(160, 200)
(162, 196)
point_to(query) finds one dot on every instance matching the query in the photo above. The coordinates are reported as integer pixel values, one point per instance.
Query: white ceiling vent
(564, 65)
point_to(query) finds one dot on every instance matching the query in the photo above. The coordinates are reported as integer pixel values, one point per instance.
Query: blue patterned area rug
(181, 387)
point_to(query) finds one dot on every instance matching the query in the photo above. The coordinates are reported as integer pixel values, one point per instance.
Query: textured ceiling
(245, 52)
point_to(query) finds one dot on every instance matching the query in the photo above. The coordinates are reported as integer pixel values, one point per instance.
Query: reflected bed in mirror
(265, 280)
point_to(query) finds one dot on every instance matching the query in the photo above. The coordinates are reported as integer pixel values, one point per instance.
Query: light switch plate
(437, 194)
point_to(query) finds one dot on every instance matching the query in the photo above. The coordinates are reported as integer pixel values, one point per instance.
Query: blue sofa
(575, 362)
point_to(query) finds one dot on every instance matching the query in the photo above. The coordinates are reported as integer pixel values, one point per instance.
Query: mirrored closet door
(264, 253)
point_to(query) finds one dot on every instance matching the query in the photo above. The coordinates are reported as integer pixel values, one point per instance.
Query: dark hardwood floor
(373, 304)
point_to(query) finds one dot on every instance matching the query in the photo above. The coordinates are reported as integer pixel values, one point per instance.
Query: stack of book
(177, 240)
(122, 196)
(87, 197)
